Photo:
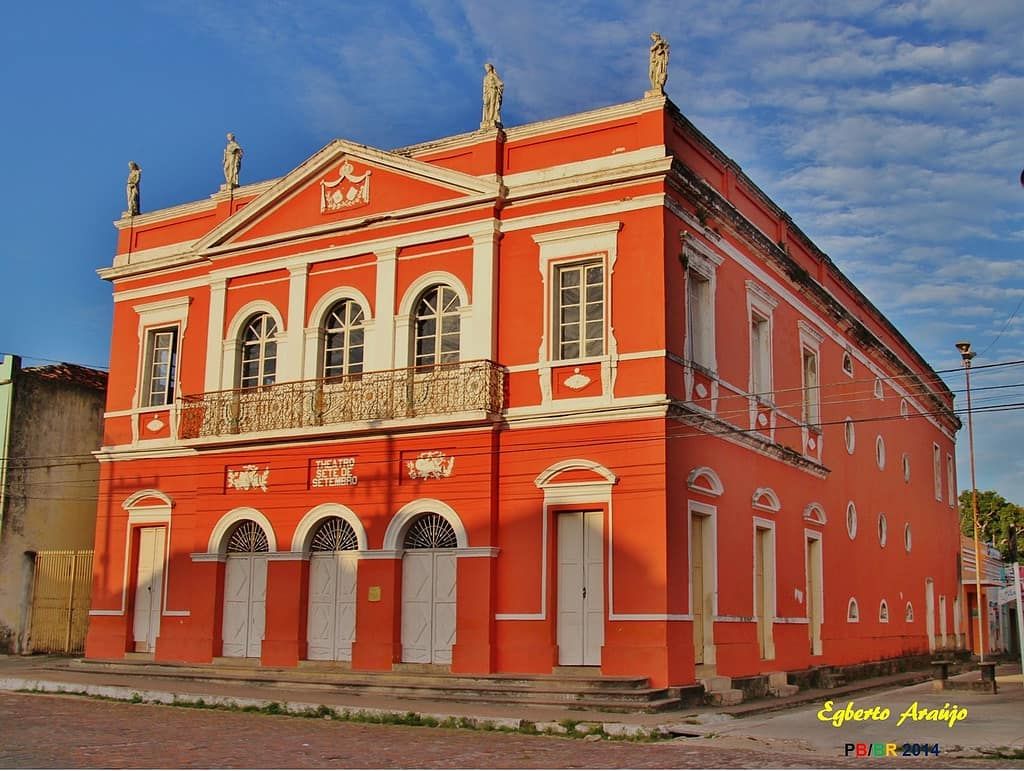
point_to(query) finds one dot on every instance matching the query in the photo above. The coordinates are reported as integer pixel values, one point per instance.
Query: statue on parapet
(658, 71)
(131, 188)
(494, 88)
(232, 162)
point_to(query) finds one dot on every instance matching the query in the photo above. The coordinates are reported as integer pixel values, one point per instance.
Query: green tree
(1001, 522)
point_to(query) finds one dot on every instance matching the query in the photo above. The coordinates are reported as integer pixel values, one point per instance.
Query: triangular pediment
(341, 186)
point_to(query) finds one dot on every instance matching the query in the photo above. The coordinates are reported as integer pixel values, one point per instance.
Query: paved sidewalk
(992, 721)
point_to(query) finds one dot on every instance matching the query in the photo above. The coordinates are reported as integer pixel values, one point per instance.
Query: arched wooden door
(331, 625)
(245, 591)
(429, 591)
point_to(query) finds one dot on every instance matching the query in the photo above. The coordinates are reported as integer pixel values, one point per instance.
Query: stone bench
(941, 668)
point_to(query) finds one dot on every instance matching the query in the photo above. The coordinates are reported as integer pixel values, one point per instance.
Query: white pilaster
(292, 365)
(214, 335)
(482, 334)
(380, 343)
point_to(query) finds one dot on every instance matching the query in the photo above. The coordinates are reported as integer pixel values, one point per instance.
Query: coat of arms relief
(348, 191)
(430, 465)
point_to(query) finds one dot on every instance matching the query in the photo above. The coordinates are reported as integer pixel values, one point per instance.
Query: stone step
(716, 683)
(554, 691)
(782, 690)
(341, 675)
(725, 698)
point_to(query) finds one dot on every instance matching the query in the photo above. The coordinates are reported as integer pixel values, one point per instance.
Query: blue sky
(893, 133)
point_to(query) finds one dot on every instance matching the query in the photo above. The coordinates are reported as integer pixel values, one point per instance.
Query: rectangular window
(811, 391)
(160, 367)
(937, 470)
(950, 481)
(760, 356)
(699, 320)
(579, 292)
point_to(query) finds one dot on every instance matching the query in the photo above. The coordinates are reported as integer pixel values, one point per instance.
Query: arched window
(851, 520)
(258, 363)
(334, 534)
(430, 531)
(883, 530)
(850, 434)
(883, 612)
(246, 538)
(852, 611)
(436, 327)
(909, 615)
(343, 340)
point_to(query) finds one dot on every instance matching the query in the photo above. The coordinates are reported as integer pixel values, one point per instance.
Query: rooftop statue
(131, 188)
(494, 88)
(658, 71)
(232, 162)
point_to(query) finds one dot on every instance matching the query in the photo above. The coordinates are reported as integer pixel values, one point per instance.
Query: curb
(566, 729)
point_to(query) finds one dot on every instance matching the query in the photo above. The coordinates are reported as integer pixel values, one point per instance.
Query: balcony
(447, 389)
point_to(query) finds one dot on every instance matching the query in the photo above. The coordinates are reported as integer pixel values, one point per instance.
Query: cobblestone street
(42, 731)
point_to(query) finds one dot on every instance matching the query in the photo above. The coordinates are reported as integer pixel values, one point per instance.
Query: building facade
(574, 393)
(51, 421)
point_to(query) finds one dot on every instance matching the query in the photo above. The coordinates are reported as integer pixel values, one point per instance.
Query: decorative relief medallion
(811, 444)
(701, 390)
(154, 425)
(334, 472)
(576, 380)
(430, 465)
(346, 192)
(248, 478)
(762, 420)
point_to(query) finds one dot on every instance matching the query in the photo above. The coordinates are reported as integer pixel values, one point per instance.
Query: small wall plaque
(374, 594)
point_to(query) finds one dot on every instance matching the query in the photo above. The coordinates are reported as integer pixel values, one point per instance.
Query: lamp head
(965, 350)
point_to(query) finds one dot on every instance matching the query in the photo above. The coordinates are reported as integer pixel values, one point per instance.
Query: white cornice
(600, 115)
(192, 207)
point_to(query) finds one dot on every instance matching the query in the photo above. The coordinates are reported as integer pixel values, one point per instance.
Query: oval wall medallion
(576, 380)
(154, 425)
(701, 390)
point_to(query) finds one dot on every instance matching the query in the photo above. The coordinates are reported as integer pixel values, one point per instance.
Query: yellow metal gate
(60, 601)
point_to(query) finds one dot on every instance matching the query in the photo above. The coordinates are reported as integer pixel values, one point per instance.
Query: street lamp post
(967, 354)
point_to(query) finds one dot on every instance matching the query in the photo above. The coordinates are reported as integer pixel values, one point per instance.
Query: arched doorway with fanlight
(245, 590)
(428, 590)
(333, 566)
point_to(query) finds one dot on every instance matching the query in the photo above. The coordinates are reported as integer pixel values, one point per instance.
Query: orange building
(570, 393)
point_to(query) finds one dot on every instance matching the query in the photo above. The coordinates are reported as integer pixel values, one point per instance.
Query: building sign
(333, 472)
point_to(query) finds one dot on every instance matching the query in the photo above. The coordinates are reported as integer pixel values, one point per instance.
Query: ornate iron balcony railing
(444, 389)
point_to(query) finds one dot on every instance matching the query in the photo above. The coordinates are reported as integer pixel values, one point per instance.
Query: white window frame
(263, 342)
(162, 314)
(565, 247)
(882, 529)
(231, 345)
(847, 360)
(852, 611)
(168, 392)
(771, 609)
(851, 521)
(760, 307)
(937, 470)
(849, 435)
(810, 396)
(883, 612)
(880, 452)
(582, 265)
(700, 264)
(440, 314)
(346, 332)
(950, 481)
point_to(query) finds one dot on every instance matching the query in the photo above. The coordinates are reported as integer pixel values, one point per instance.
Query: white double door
(428, 606)
(245, 600)
(580, 588)
(148, 588)
(332, 606)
